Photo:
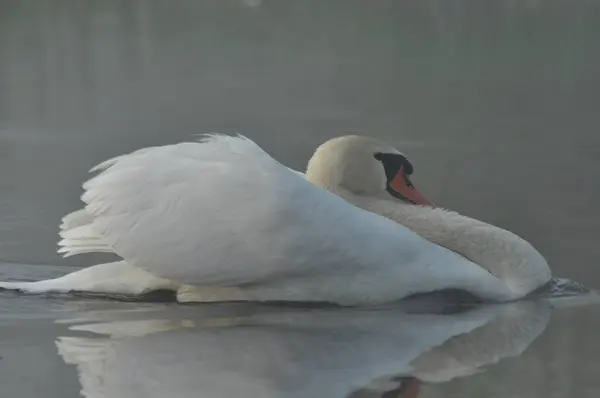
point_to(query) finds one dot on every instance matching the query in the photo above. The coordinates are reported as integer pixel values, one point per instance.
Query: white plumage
(220, 218)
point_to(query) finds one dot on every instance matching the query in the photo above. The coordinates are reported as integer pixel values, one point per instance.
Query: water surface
(495, 102)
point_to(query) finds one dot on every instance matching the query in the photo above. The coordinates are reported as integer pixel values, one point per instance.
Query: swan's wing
(217, 211)
(78, 237)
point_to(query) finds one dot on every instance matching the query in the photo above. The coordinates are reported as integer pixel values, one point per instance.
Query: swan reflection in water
(257, 351)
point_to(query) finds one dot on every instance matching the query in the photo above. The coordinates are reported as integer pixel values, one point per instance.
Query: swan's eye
(392, 162)
(398, 170)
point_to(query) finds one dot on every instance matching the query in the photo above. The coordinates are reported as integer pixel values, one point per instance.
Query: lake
(495, 103)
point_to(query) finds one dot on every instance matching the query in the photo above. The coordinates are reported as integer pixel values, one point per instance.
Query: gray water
(495, 102)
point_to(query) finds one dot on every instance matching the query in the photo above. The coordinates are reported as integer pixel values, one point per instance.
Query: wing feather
(199, 212)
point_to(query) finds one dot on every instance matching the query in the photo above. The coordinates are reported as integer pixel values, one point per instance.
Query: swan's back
(222, 211)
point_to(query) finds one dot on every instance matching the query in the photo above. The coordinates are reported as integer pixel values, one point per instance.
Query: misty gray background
(496, 102)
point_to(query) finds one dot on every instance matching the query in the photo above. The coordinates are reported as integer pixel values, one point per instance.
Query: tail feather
(83, 232)
(76, 219)
(79, 236)
(69, 251)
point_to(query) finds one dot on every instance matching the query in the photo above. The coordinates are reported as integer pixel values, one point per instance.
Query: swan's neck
(501, 252)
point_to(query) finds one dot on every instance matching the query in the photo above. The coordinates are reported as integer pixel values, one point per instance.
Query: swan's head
(363, 166)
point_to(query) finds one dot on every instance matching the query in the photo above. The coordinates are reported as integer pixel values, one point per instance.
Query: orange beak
(401, 185)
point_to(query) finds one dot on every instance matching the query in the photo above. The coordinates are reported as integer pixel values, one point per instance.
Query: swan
(219, 219)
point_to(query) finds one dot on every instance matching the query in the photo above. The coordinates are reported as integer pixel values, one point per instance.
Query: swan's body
(222, 220)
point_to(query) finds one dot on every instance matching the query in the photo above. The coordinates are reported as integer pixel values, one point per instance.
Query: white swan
(220, 219)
